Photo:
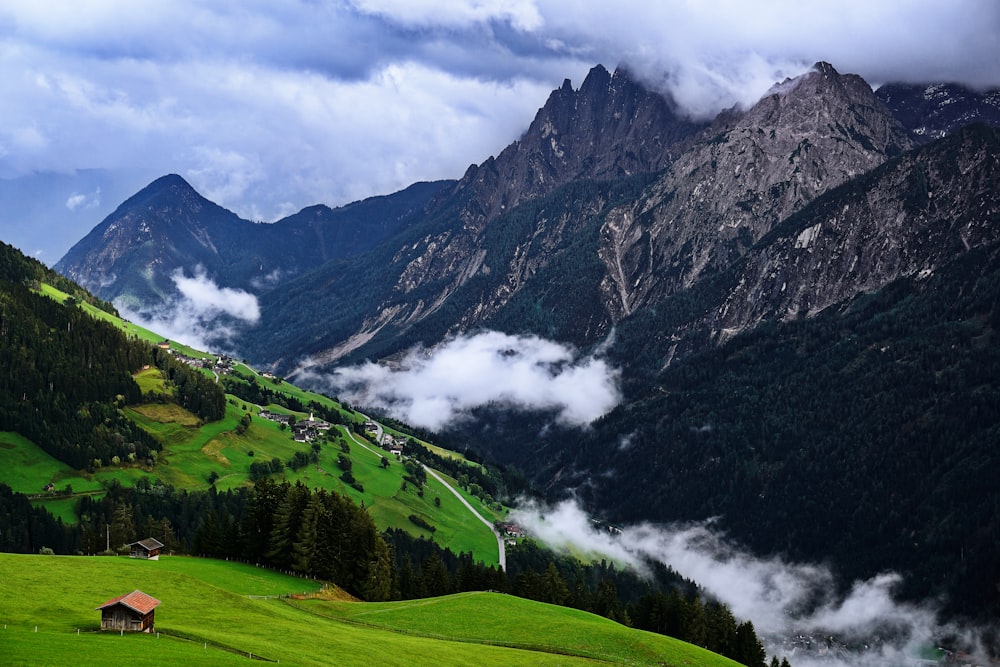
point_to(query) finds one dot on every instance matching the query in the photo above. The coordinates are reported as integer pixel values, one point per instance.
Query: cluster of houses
(390, 443)
(221, 364)
(303, 430)
(511, 532)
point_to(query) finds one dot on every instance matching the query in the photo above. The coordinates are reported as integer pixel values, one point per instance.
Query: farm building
(148, 549)
(132, 612)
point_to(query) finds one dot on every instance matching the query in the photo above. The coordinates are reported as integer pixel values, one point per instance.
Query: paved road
(350, 434)
(501, 550)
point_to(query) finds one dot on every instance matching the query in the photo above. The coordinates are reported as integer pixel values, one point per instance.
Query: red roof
(136, 601)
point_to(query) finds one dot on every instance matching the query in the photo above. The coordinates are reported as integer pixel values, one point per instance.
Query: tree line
(322, 534)
(67, 376)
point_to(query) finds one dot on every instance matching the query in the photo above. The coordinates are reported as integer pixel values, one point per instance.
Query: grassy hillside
(207, 618)
(193, 452)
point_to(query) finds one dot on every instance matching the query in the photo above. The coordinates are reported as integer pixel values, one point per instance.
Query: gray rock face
(134, 250)
(612, 127)
(749, 171)
(716, 199)
(904, 219)
(932, 111)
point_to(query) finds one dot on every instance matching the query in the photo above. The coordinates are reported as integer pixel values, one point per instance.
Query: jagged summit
(611, 127)
(743, 175)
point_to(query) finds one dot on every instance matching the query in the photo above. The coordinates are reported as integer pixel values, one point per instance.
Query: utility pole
(108, 546)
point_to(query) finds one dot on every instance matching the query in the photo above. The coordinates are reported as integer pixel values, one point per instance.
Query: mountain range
(801, 297)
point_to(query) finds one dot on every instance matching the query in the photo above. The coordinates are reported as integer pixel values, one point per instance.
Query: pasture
(207, 617)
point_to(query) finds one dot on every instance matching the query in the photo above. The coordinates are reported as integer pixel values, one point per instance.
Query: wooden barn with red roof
(132, 612)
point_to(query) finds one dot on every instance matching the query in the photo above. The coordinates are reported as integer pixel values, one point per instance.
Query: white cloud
(783, 599)
(84, 201)
(521, 14)
(203, 315)
(431, 388)
(208, 299)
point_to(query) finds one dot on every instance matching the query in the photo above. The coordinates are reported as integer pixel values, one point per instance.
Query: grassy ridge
(206, 618)
(498, 619)
(192, 451)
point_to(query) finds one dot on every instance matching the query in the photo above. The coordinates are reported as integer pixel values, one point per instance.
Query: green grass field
(193, 451)
(206, 618)
(26, 468)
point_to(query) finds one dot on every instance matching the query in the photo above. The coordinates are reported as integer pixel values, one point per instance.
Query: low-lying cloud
(207, 299)
(203, 315)
(433, 387)
(784, 600)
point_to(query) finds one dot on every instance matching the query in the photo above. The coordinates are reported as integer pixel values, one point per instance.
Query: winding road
(501, 550)
(501, 547)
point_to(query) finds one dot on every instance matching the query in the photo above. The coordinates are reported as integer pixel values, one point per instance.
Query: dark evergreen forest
(864, 436)
(66, 374)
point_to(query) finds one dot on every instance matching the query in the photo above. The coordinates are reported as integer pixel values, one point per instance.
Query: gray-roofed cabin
(148, 549)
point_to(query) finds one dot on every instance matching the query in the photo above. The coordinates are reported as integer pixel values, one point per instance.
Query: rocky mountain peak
(611, 127)
(747, 172)
(165, 225)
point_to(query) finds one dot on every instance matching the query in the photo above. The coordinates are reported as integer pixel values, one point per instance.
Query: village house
(512, 530)
(276, 417)
(308, 429)
(147, 549)
(132, 612)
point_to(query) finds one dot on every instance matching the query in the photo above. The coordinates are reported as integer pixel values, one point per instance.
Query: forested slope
(67, 373)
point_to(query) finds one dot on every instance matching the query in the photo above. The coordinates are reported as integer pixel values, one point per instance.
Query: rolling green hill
(186, 451)
(208, 617)
(122, 440)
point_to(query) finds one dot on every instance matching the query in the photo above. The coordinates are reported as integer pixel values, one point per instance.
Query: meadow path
(501, 548)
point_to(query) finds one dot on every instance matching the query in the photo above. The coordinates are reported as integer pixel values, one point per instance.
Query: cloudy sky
(266, 107)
